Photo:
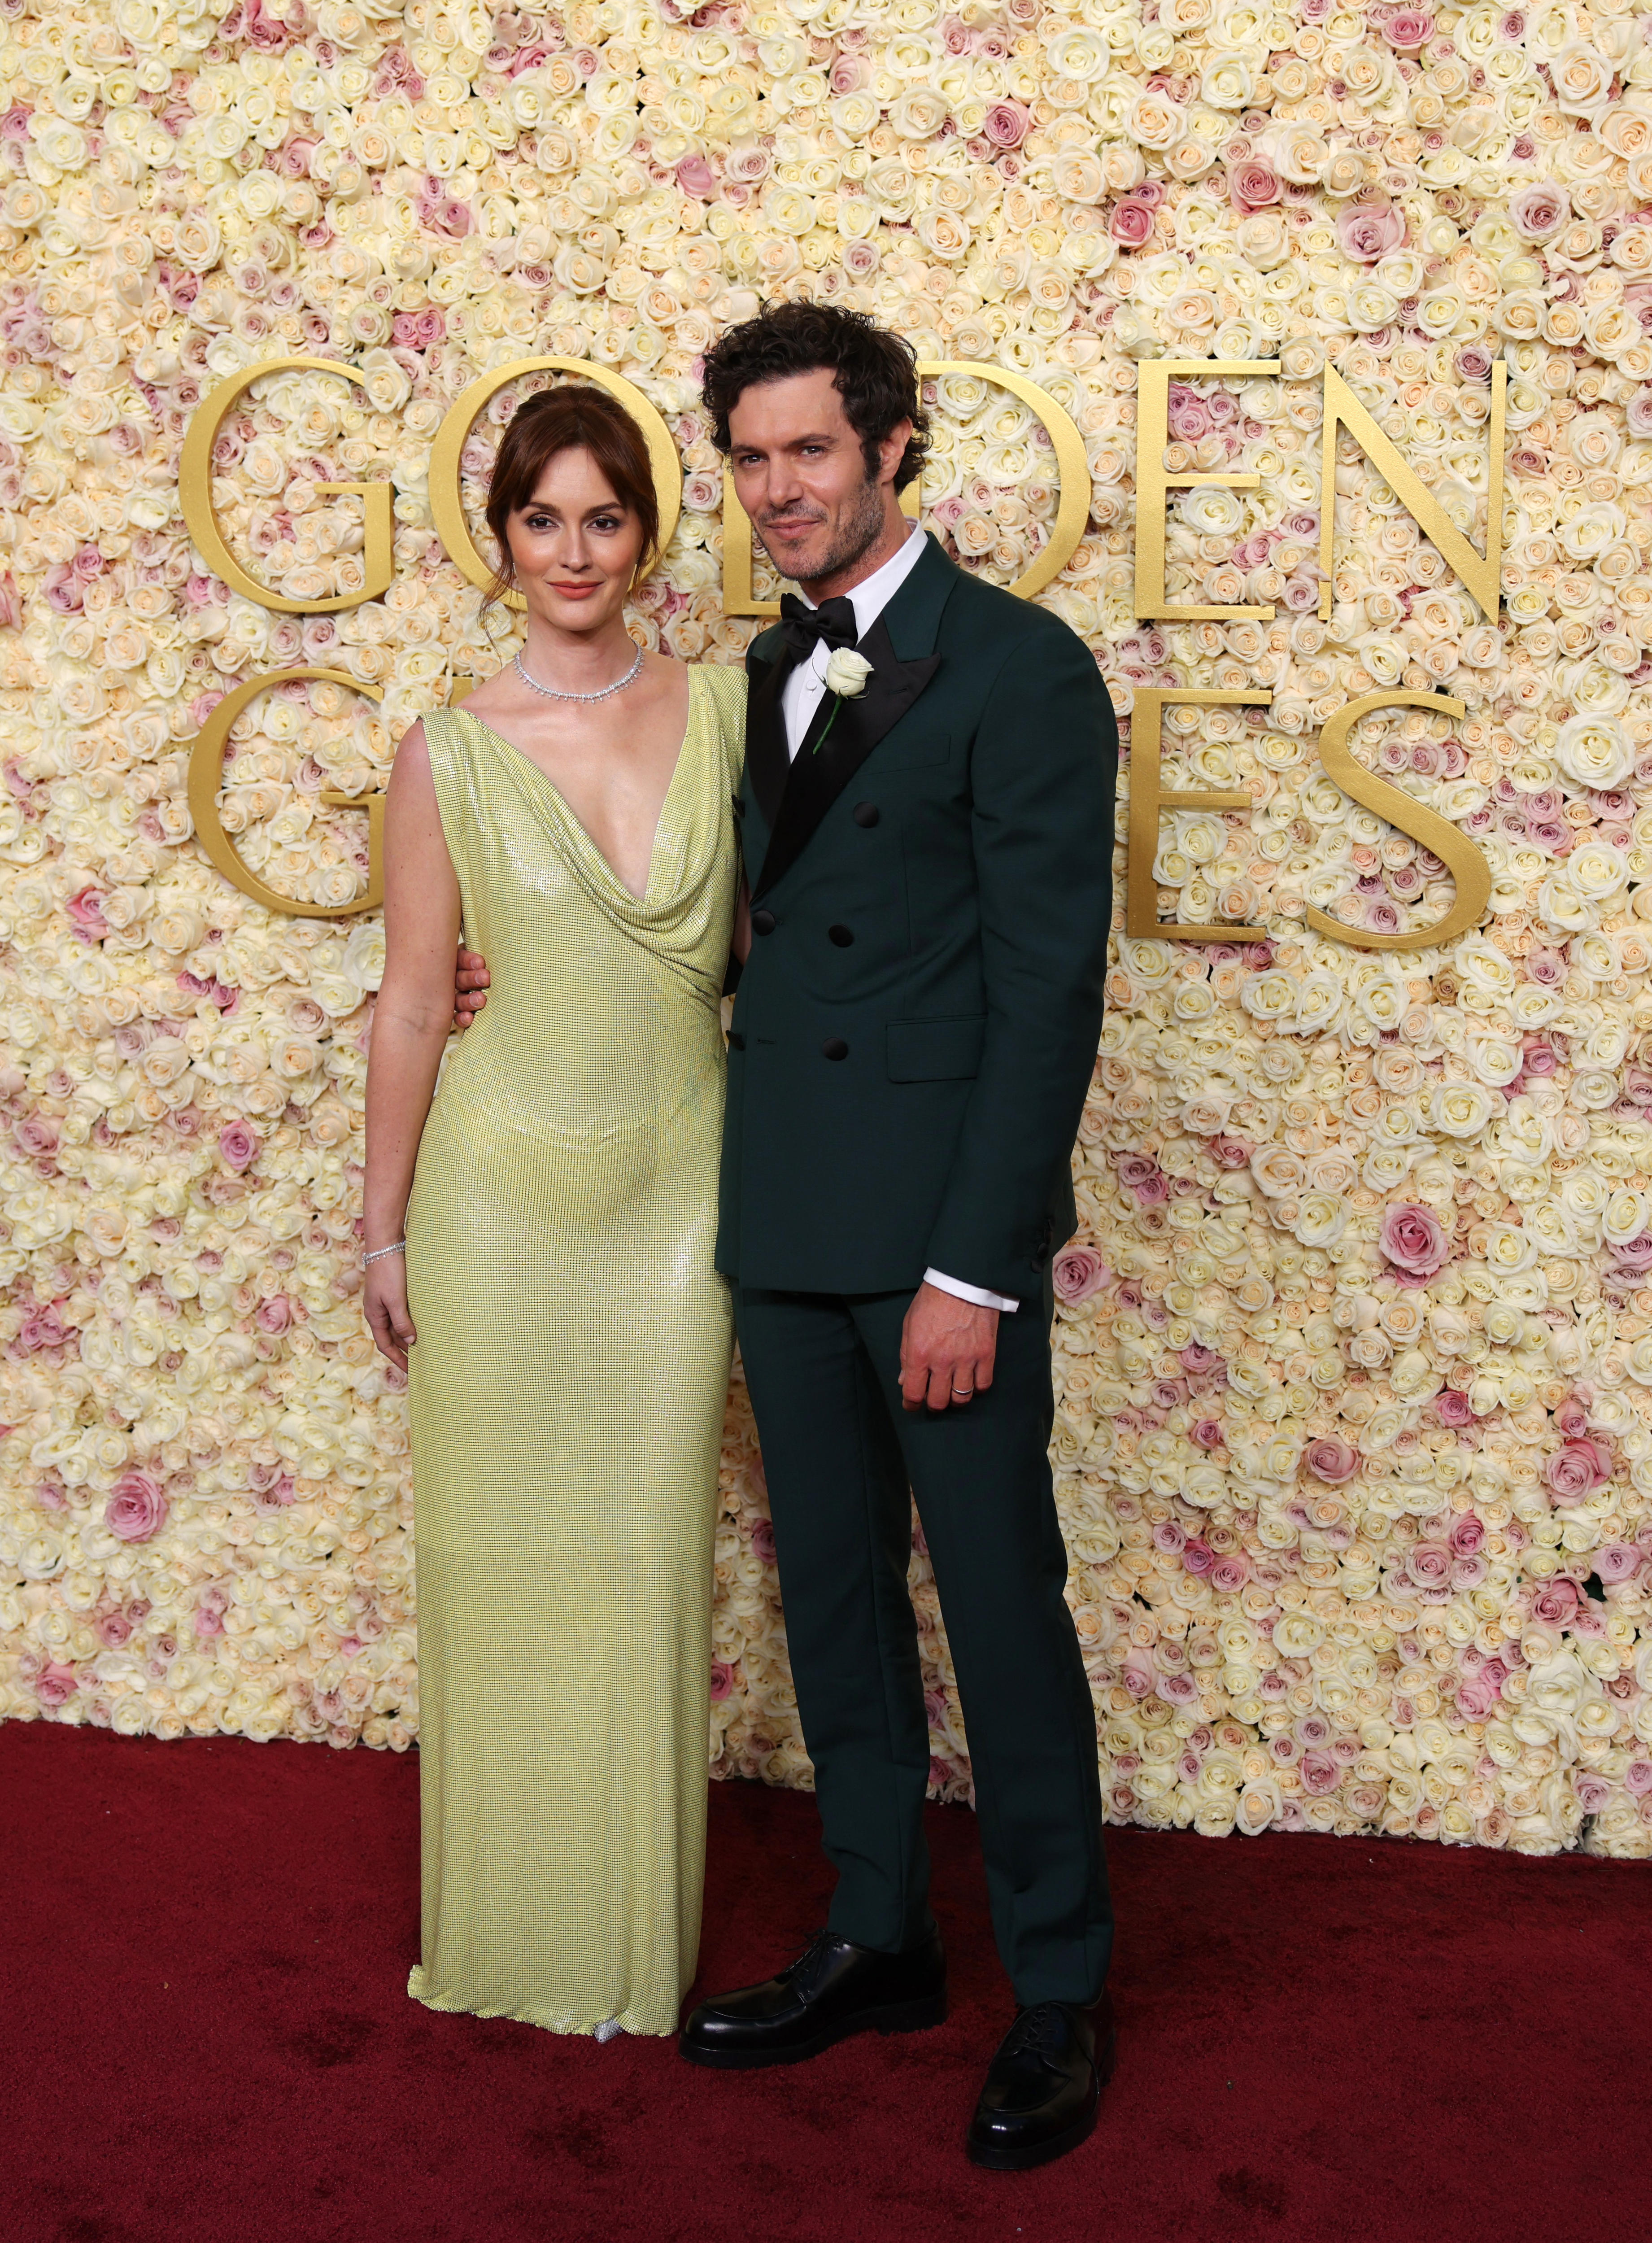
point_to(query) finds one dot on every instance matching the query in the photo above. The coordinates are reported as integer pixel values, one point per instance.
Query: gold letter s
(1466, 863)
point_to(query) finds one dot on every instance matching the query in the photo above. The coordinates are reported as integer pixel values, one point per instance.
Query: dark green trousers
(840, 1452)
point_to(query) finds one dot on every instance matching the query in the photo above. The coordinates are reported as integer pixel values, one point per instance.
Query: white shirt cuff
(975, 1293)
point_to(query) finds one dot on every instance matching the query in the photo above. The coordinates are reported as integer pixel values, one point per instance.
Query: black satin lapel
(820, 775)
(766, 761)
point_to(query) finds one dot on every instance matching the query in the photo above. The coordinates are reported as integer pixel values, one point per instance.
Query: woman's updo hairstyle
(573, 417)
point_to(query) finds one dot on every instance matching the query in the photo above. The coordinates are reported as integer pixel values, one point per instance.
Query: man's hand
(946, 1349)
(470, 978)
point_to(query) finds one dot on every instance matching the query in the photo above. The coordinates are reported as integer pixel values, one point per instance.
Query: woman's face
(575, 546)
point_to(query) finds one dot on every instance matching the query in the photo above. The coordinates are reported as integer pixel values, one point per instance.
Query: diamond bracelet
(379, 1253)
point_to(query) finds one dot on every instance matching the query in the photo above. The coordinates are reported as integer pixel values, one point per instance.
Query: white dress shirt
(801, 695)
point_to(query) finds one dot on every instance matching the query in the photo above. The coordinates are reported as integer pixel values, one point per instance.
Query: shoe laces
(804, 1970)
(1040, 2031)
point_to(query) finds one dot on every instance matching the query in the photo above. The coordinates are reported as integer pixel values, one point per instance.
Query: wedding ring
(963, 1393)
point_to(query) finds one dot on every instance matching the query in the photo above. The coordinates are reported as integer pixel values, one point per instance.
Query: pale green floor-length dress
(567, 1393)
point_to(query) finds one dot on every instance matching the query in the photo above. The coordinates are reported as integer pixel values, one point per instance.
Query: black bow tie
(831, 623)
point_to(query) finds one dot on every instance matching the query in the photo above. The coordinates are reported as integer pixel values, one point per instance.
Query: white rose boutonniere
(847, 673)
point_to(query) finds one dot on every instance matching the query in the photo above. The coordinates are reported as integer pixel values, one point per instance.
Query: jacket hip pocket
(934, 1051)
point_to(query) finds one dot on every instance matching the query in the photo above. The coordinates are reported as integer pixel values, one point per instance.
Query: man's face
(801, 476)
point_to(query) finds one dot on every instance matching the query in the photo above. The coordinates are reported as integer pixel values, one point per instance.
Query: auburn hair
(577, 416)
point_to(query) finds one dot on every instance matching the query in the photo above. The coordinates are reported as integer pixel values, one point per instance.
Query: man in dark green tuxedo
(928, 852)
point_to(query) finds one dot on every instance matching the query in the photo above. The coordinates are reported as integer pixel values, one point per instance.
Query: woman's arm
(411, 1025)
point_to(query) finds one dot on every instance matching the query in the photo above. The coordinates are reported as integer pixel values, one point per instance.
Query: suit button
(834, 1048)
(865, 814)
(840, 935)
(737, 1041)
(763, 920)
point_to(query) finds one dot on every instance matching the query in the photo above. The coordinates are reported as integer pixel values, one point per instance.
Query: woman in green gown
(553, 1297)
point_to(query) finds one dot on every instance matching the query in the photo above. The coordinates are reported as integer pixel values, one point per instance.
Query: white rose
(847, 673)
(1596, 752)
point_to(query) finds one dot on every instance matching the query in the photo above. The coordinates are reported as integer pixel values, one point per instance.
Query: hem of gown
(561, 2021)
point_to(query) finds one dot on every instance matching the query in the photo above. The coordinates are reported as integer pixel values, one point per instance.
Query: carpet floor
(205, 2038)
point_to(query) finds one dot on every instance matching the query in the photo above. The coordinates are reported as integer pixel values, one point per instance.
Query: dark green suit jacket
(931, 891)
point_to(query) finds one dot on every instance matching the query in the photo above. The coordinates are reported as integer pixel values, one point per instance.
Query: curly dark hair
(875, 373)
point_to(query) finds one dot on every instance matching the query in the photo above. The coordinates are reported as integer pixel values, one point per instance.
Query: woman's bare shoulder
(412, 757)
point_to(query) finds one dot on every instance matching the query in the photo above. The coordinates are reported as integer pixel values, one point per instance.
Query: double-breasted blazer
(931, 894)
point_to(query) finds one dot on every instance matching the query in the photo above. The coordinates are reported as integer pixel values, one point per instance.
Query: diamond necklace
(551, 692)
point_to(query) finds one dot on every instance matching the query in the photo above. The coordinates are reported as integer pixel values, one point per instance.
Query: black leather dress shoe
(832, 1989)
(1044, 2086)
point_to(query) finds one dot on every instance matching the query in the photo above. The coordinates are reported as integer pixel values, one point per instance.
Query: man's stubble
(858, 532)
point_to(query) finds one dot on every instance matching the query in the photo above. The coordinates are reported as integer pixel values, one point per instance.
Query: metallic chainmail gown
(567, 1394)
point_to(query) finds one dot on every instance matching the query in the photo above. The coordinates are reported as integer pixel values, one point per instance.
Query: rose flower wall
(1354, 1349)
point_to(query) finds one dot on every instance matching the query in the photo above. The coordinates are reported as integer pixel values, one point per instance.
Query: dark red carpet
(206, 2038)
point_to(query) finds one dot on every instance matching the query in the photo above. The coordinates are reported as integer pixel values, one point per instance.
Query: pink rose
(763, 1541)
(1141, 1676)
(55, 1684)
(722, 1681)
(1006, 124)
(274, 1315)
(1475, 1698)
(1187, 416)
(696, 177)
(1332, 1460)
(1575, 1469)
(1468, 1535)
(1618, 1562)
(1407, 29)
(1229, 1575)
(1131, 222)
(208, 1622)
(38, 1135)
(87, 915)
(136, 1509)
(1637, 1778)
(1252, 184)
(273, 1489)
(1139, 1174)
(1555, 1604)
(239, 1143)
(1369, 231)
(1198, 1557)
(112, 1629)
(1320, 1774)
(1414, 1241)
(1539, 210)
(1430, 1565)
(1078, 1272)
(1207, 1433)
(1452, 1408)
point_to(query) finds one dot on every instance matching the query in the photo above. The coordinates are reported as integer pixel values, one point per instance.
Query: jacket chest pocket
(935, 1051)
(913, 750)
